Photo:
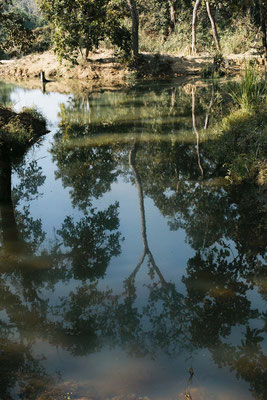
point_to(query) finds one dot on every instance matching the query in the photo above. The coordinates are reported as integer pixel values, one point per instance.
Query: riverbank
(102, 68)
(18, 131)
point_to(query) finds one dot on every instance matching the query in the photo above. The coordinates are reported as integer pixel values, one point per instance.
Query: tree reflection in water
(226, 267)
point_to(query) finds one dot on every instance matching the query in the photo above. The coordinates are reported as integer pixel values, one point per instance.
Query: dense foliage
(83, 24)
(79, 26)
(13, 31)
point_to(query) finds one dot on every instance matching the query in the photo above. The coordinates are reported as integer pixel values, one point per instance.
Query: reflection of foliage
(85, 314)
(90, 171)
(206, 211)
(5, 92)
(168, 317)
(223, 224)
(91, 247)
(21, 131)
(217, 291)
(30, 180)
(30, 229)
(25, 313)
(216, 296)
(20, 369)
(247, 360)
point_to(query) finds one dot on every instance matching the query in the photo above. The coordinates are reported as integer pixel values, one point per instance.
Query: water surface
(128, 264)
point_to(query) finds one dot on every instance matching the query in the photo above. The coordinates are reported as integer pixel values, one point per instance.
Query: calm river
(128, 267)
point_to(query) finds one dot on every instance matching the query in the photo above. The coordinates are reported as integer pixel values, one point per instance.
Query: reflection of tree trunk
(9, 226)
(177, 178)
(194, 20)
(135, 27)
(173, 99)
(195, 128)
(213, 26)
(14, 247)
(43, 87)
(146, 250)
(138, 183)
(209, 109)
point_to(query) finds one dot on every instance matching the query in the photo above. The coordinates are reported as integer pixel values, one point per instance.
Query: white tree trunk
(213, 26)
(194, 20)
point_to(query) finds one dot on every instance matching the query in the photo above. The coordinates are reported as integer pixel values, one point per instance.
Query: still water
(128, 266)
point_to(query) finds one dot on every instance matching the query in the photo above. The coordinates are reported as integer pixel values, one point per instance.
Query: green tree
(79, 26)
(14, 35)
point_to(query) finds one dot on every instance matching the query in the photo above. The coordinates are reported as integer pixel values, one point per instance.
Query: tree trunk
(135, 27)
(194, 19)
(172, 15)
(213, 26)
(263, 16)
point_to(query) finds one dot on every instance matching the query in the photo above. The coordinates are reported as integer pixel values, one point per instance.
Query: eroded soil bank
(103, 69)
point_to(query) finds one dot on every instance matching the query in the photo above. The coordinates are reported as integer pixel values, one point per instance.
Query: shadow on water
(60, 294)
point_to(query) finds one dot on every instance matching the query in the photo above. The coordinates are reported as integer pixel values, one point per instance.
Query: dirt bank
(103, 69)
(100, 66)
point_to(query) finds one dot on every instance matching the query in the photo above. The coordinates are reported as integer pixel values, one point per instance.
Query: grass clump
(250, 92)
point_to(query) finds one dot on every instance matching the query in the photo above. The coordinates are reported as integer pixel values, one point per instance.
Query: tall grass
(250, 92)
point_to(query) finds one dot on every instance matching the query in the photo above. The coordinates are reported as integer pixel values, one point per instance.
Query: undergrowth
(243, 145)
(239, 36)
(236, 37)
(240, 145)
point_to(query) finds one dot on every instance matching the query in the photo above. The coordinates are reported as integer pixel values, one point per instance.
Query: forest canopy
(133, 26)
